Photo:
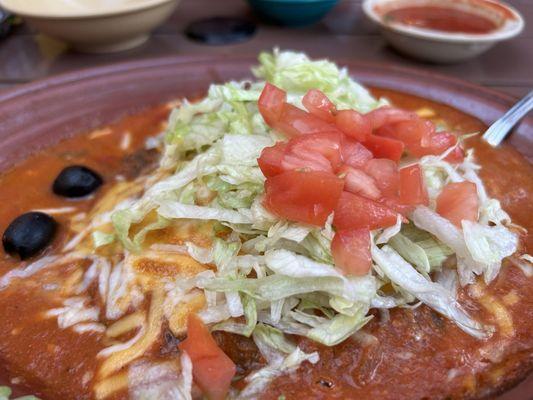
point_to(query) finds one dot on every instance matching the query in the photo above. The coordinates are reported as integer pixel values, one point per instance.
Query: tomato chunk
(385, 172)
(353, 124)
(354, 212)
(212, 369)
(271, 159)
(394, 204)
(437, 144)
(327, 145)
(306, 161)
(315, 152)
(384, 147)
(271, 103)
(318, 104)
(388, 115)
(351, 251)
(294, 122)
(413, 133)
(412, 187)
(354, 153)
(303, 196)
(358, 182)
(458, 201)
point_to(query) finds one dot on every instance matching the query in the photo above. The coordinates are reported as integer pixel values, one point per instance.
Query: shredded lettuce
(282, 357)
(175, 210)
(250, 313)
(479, 249)
(243, 150)
(389, 232)
(430, 293)
(288, 263)
(271, 342)
(411, 252)
(318, 246)
(5, 393)
(422, 250)
(276, 287)
(102, 238)
(340, 327)
(147, 380)
(525, 263)
(269, 277)
(296, 73)
(489, 245)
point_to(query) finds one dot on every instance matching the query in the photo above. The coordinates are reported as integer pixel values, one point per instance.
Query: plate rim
(77, 75)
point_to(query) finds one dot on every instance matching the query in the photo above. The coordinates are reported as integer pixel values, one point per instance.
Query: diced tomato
(458, 201)
(314, 152)
(353, 124)
(394, 204)
(456, 156)
(271, 103)
(358, 182)
(354, 153)
(212, 369)
(384, 147)
(412, 187)
(438, 144)
(303, 196)
(413, 133)
(306, 161)
(271, 159)
(351, 251)
(385, 172)
(354, 212)
(294, 122)
(327, 145)
(318, 104)
(388, 115)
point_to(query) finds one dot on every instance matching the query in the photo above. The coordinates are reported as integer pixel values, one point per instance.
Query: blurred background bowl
(292, 12)
(94, 26)
(444, 46)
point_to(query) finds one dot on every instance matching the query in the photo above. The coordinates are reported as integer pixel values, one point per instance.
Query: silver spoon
(501, 128)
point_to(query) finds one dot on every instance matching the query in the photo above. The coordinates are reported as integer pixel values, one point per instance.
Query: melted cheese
(126, 324)
(170, 265)
(111, 385)
(177, 320)
(511, 298)
(118, 360)
(500, 314)
(426, 112)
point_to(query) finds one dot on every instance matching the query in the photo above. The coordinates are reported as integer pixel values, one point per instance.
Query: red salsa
(441, 19)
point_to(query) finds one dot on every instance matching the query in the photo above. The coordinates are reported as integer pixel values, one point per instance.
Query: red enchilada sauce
(441, 19)
(414, 353)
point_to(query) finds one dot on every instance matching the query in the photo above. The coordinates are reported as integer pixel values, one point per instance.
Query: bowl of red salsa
(444, 31)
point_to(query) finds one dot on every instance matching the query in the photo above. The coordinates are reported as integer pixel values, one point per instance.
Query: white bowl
(94, 26)
(439, 46)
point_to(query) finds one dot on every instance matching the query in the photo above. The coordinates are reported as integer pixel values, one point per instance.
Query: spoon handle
(500, 129)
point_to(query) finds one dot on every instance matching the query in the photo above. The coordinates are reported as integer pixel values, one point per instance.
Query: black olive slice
(76, 181)
(28, 234)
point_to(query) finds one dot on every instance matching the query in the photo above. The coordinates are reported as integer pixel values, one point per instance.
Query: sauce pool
(441, 19)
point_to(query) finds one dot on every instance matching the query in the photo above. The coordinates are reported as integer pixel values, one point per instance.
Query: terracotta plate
(41, 113)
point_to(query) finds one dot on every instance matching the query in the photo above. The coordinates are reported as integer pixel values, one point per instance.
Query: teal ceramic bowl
(292, 12)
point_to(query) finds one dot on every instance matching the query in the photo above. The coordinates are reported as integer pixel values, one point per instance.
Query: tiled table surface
(344, 33)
